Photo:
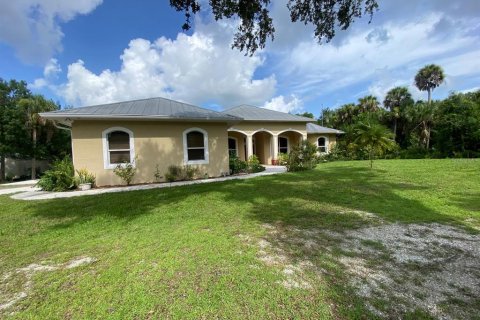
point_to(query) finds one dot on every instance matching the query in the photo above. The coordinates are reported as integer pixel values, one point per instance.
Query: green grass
(179, 253)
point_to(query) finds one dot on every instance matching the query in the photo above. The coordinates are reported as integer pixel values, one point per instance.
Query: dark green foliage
(256, 25)
(61, 177)
(302, 157)
(254, 164)
(236, 165)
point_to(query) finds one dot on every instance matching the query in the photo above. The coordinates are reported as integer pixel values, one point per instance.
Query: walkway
(43, 195)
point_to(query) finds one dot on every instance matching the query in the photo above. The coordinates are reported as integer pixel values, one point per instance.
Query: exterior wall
(263, 147)
(332, 139)
(155, 143)
(240, 144)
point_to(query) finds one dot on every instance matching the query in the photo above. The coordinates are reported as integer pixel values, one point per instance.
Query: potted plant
(85, 179)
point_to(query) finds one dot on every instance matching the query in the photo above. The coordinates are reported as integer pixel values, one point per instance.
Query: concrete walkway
(43, 195)
(20, 186)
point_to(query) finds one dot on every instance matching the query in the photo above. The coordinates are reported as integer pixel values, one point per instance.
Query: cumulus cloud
(50, 73)
(198, 68)
(289, 104)
(32, 27)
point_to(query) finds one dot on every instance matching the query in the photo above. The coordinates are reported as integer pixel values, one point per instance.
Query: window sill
(196, 162)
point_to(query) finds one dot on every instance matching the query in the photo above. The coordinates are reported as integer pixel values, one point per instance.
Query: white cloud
(32, 27)
(290, 104)
(50, 73)
(199, 69)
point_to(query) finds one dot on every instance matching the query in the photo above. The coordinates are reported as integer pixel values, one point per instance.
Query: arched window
(117, 147)
(232, 147)
(195, 146)
(282, 145)
(322, 144)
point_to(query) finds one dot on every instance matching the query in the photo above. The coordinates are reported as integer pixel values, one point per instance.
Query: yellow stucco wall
(240, 144)
(154, 142)
(332, 139)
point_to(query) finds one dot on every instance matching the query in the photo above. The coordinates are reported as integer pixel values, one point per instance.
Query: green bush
(254, 164)
(283, 159)
(236, 165)
(84, 176)
(126, 171)
(302, 157)
(61, 177)
(178, 173)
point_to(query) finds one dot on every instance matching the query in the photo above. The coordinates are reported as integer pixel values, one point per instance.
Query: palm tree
(423, 115)
(428, 78)
(374, 137)
(346, 113)
(32, 107)
(395, 101)
(368, 104)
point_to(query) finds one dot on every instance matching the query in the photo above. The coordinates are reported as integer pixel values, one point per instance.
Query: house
(158, 132)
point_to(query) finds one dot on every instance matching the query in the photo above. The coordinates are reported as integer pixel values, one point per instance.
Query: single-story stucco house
(159, 132)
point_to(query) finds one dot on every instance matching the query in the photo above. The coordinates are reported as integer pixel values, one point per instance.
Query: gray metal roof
(153, 108)
(315, 128)
(251, 113)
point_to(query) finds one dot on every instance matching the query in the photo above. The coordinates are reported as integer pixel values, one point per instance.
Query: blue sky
(87, 52)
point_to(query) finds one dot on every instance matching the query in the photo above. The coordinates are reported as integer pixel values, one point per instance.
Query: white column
(275, 147)
(249, 146)
(304, 137)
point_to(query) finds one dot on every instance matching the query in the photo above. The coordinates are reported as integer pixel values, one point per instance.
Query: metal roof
(251, 113)
(153, 108)
(315, 128)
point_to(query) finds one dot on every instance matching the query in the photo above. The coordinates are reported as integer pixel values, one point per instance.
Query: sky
(87, 52)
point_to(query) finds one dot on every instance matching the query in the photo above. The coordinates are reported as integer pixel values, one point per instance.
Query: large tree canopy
(256, 25)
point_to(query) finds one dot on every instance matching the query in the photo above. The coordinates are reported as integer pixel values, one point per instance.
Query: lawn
(271, 247)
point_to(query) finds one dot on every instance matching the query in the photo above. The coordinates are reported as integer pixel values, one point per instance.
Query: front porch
(265, 144)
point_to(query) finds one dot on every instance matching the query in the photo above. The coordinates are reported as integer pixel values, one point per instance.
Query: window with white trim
(117, 147)
(282, 145)
(232, 147)
(322, 144)
(195, 143)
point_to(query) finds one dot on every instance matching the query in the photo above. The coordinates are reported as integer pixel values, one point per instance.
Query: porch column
(275, 147)
(249, 146)
(304, 137)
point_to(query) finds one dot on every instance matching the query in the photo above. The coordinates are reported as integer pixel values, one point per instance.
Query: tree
(422, 116)
(11, 130)
(395, 101)
(32, 107)
(373, 137)
(368, 104)
(428, 78)
(256, 25)
(306, 115)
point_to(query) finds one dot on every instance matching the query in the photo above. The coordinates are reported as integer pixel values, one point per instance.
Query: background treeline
(23, 133)
(439, 129)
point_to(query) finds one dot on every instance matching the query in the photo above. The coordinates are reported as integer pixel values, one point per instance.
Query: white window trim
(185, 146)
(236, 146)
(106, 151)
(278, 143)
(326, 144)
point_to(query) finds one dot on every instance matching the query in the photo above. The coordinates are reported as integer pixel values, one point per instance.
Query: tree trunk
(2, 170)
(395, 129)
(428, 138)
(34, 160)
(429, 96)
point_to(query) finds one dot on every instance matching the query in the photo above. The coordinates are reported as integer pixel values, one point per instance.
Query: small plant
(61, 177)
(126, 171)
(84, 177)
(254, 164)
(283, 159)
(157, 174)
(189, 172)
(236, 165)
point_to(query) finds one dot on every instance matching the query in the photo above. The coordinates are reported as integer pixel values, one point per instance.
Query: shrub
(157, 175)
(126, 171)
(236, 165)
(283, 159)
(302, 157)
(61, 177)
(84, 176)
(254, 164)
